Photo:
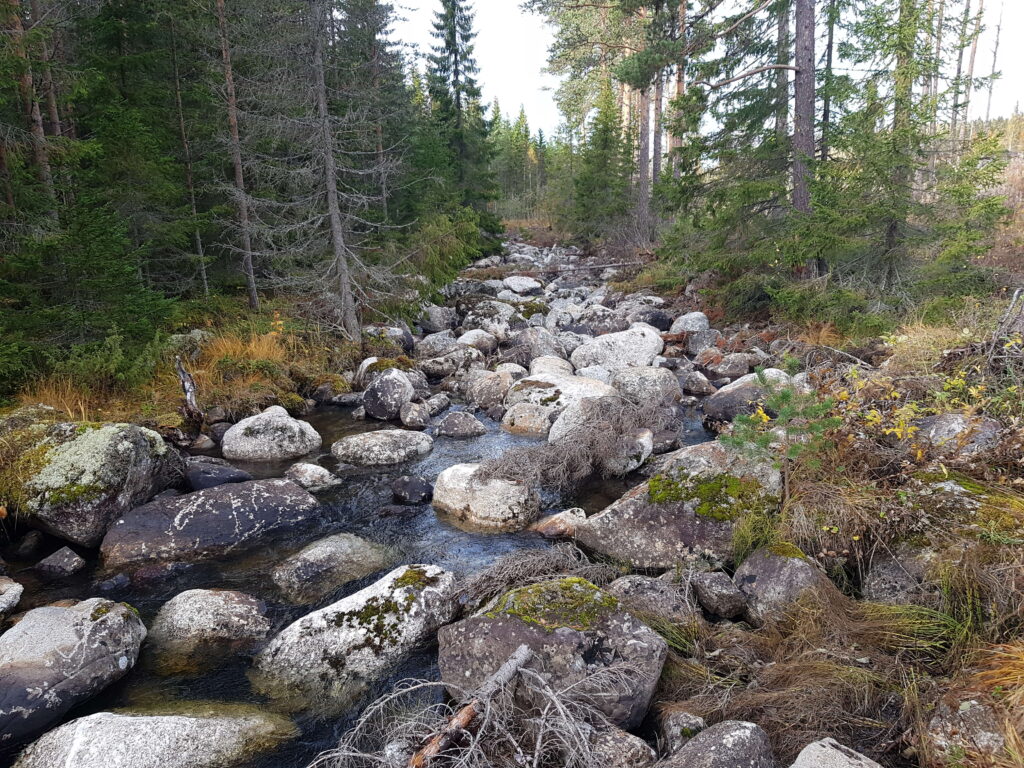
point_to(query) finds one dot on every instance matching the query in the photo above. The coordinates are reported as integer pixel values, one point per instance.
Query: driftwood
(463, 720)
(193, 413)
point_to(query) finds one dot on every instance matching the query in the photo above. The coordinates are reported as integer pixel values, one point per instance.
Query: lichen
(719, 497)
(571, 602)
(74, 493)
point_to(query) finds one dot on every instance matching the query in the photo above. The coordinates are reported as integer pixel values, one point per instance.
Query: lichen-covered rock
(646, 596)
(490, 505)
(270, 436)
(415, 415)
(901, 575)
(632, 348)
(696, 383)
(718, 595)
(596, 372)
(615, 748)
(963, 724)
(459, 359)
(438, 404)
(218, 736)
(698, 341)
(56, 658)
(436, 319)
(480, 340)
(958, 435)
(196, 629)
(555, 366)
(329, 656)
(532, 343)
(387, 393)
(741, 396)
(495, 317)
(460, 425)
(205, 524)
(676, 727)
(10, 593)
(773, 578)
(575, 630)
(686, 513)
(436, 345)
(527, 419)
(731, 366)
(317, 570)
(488, 388)
(556, 391)
(79, 477)
(690, 323)
(647, 386)
(382, 448)
(312, 477)
(729, 744)
(829, 753)
(524, 286)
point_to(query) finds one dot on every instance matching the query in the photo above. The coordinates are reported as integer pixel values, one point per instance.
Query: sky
(512, 45)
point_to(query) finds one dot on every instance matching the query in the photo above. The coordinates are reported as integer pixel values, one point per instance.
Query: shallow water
(361, 505)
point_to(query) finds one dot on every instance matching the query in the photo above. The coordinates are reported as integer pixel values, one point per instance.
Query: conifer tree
(602, 183)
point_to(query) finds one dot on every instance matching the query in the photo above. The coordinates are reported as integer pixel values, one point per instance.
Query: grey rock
(647, 386)
(480, 340)
(438, 404)
(10, 594)
(690, 323)
(460, 425)
(528, 420)
(829, 753)
(772, 579)
(61, 564)
(696, 383)
(729, 744)
(635, 347)
(320, 568)
(958, 435)
(488, 388)
(964, 724)
(644, 595)
(412, 490)
(718, 595)
(387, 393)
(555, 391)
(382, 448)
(312, 477)
(676, 727)
(556, 366)
(492, 505)
(415, 415)
(436, 345)
(741, 396)
(524, 286)
(270, 436)
(436, 319)
(701, 340)
(202, 475)
(28, 546)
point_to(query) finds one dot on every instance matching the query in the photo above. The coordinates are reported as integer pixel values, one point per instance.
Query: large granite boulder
(829, 753)
(575, 631)
(488, 388)
(79, 477)
(270, 436)
(773, 578)
(647, 385)
(528, 420)
(489, 505)
(632, 348)
(555, 390)
(317, 570)
(206, 524)
(495, 317)
(436, 319)
(691, 322)
(330, 656)
(207, 736)
(56, 658)
(387, 393)
(383, 447)
(729, 744)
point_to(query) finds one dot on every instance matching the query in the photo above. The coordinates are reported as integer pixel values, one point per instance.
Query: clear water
(362, 505)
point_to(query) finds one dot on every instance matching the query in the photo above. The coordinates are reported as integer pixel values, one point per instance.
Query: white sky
(512, 46)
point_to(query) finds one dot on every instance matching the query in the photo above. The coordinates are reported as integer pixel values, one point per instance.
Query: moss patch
(719, 497)
(71, 494)
(572, 602)
(401, 362)
(785, 549)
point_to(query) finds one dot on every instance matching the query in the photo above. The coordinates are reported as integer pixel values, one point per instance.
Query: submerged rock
(412, 490)
(330, 656)
(382, 448)
(56, 658)
(270, 436)
(207, 474)
(493, 505)
(320, 568)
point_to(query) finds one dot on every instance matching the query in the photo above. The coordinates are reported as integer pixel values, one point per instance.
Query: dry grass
(64, 394)
(1002, 674)
(824, 334)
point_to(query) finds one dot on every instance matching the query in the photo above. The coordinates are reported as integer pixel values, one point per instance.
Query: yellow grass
(1003, 674)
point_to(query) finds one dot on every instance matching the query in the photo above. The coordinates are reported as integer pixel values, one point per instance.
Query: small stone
(718, 595)
(560, 526)
(460, 425)
(676, 727)
(415, 415)
(312, 477)
(438, 404)
(412, 490)
(203, 443)
(528, 420)
(319, 569)
(61, 564)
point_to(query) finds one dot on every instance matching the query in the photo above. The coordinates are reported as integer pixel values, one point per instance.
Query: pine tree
(602, 183)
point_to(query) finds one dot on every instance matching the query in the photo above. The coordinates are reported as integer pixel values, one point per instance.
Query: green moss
(293, 402)
(23, 453)
(551, 399)
(100, 611)
(530, 308)
(415, 577)
(571, 602)
(71, 494)
(86, 426)
(719, 497)
(401, 362)
(785, 549)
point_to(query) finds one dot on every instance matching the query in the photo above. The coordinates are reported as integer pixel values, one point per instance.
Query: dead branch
(191, 410)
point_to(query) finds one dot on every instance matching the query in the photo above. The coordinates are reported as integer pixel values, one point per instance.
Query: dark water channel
(362, 505)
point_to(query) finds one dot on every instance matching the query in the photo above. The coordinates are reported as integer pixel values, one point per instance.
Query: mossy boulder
(577, 632)
(328, 658)
(73, 479)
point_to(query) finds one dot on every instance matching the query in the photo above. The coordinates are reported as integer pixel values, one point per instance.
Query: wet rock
(387, 393)
(647, 386)
(633, 348)
(270, 436)
(829, 753)
(56, 658)
(741, 396)
(312, 477)
(382, 448)
(527, 419)
(10, 594)
(222, 736)
(330, 656)
(203, 474)
(89, 475)
(488, 388)
(28, 546)
(773, 578)
(480, 340)
(524, 286)
(412, 490)
(61, 564)
(690, 323)
(718, 595)
(197, 628)
(575, 631)
(964, 724)
(317, 570)
(436, 319)
(218, 430)
(676, 727)
(560, 526)
(696, 383)
(415, 415)
(207, 523)
(958, 435)
(729, 744)
(553, 391)
(644, 596)
(460, 425)
(492, 505)
(438, 404)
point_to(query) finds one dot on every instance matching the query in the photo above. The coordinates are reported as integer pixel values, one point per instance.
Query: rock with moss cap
(330, 656)
(775, 577)
(484, 504)
(76, 478)
(57, 657)
(690, 511)
(204, 736)
(270, 436)
(579, 634)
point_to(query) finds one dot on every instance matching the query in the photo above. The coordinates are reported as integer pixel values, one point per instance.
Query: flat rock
(382, 448)
(556, 391)
(829, 753)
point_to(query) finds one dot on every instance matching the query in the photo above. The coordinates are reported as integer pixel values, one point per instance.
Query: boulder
(197, 628)
(436, 319)
(382, 448)
(458, 359)
(83, 476)
(387, 393)
(599, 320)
(596, 372)
(515, 369)
(411, 490)
(560, 526)
(773, 578)
(491, 505)
(901, 575)
(317, 570)
(632, 348)
(58, 657)
(676, 727)
(729, 744)
(222, 736)
(205, 524)
(615, 748)
(957, 435)
(718, 595)
(10, 594)
(436, 345)
(528, 420)
(205, 474)
(647, 386)
(742, 396)
(532, 343)
(829, 753)
(556, 366)
(438, 404)
(488, 388)
(495, 317)
(312, 477)
(554, 391)
(698, 341)
(480, 340)
(731, 366)
(415, 415)
(61, 564)
(575, 630)
(460, 425)
(270, 436)
(647, 596)
(524, 286)
(696, 383)
(330, 656)
(690, 323)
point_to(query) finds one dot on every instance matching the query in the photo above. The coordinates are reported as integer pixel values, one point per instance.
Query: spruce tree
(602, 184)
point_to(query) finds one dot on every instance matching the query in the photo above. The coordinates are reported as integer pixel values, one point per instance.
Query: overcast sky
(512, 46)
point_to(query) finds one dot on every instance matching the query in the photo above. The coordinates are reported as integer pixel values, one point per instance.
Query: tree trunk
(339, 248)
(826, 107)
(995, 63)
(938, 31)
(53, 113)
(903, 94)
(803, 105)
(958, 82)
(656, 152)
(644, 165)
(971, 61)
(5, 175)
(677, 137)
(782, 75)
(236, 158)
